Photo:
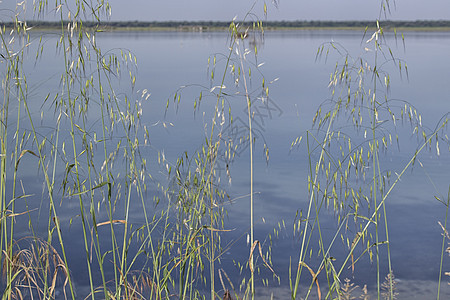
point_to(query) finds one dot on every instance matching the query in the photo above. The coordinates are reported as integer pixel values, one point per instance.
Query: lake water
(169, 60)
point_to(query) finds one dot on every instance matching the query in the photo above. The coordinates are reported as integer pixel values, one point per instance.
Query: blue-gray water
(168, 60)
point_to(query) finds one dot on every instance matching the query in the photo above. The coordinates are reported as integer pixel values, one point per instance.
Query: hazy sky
(225, 10)
(287, 9)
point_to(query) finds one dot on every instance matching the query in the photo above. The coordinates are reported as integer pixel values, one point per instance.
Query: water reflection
(170, 60)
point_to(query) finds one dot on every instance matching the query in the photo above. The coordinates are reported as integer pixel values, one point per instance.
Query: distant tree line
(301, 24)
(223, 24)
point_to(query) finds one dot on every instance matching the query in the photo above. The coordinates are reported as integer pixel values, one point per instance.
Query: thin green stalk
(211, 261)
(71, 105)
(311, 200)
(3, 173)
(251, 188)
(212, 163)
(375, 186)
(388, 242)
(55, 147)
(316, 221)
(108, 179)
(250, 134)
(443, 244)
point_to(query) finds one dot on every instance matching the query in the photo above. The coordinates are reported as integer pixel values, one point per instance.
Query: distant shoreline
(199, 26)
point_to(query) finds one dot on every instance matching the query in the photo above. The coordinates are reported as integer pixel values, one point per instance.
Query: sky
(226, 10)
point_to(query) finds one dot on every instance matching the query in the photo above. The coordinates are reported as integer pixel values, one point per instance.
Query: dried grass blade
(112, 222)
(314, 276)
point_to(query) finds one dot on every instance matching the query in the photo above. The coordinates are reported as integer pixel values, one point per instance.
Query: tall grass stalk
(70, 104)
(250, 136)
(312, 186)
(447, 204)
(374, 153)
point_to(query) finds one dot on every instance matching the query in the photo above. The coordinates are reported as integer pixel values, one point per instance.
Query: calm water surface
(167, 61)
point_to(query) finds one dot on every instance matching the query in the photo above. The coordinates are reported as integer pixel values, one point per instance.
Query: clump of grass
(37, 270)
(348, 177)
(198, 181)
(137, 285)
(81, 165)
